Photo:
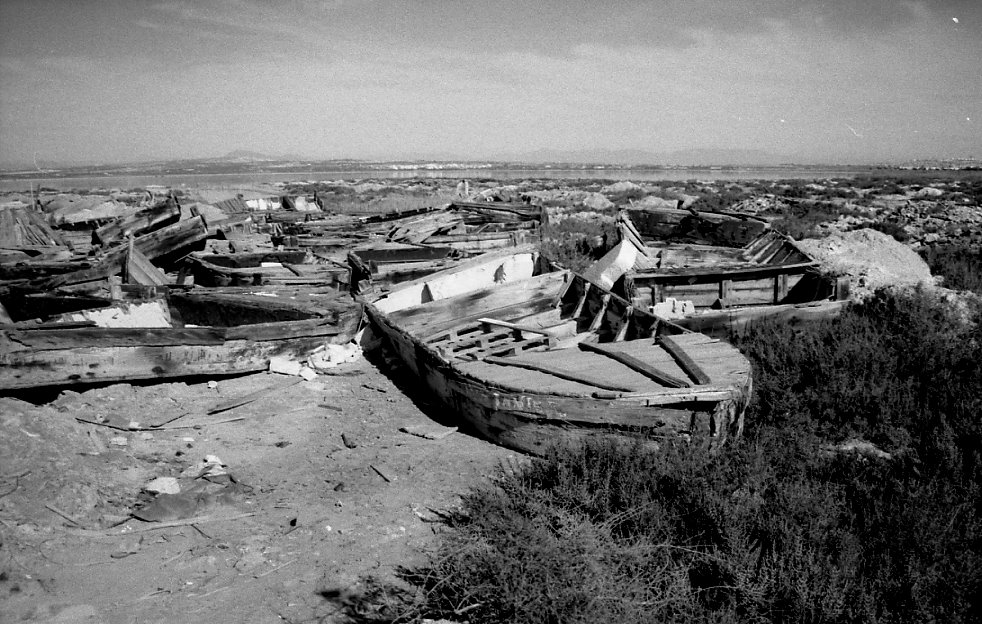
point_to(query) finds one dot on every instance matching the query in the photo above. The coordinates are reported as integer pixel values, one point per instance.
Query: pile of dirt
(49, 464)
(871, 259)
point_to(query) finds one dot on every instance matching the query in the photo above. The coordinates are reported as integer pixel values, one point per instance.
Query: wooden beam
(634, 363)
(625, 324)
(780, 287)
(725, 286)
(684, 361)
(599, 318)
(558, 372)
(139, 270)
(517, 329)
(137, 223)
(579, 304)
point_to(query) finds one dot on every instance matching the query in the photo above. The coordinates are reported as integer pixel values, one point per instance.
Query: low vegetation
(779, 526)
(960, 266)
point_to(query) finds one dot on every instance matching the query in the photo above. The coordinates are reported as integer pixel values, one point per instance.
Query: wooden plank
(486, 301)
(249, 398)
(780, 288)
(599, 317)
(556, 371)
(636, 364)
(725, 286)
(704, 275)
(32, 369)
(625, 324)
(582, 301)
(139, 270)
(518, 329)
(152, 245)
(685, 362)
(137, 222)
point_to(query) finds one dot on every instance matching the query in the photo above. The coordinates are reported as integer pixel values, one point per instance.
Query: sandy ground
(325, 510)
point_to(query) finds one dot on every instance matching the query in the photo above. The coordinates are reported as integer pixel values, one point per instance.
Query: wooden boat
(240, 338)
(290, 266)
(471, 227)
(376, 268)
(727, 229)
(530, 356)
(728, 286)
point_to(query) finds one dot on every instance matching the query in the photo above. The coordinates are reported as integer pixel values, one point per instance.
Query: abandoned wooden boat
(726, 229)
(376, 268)
(530, 356)
(239, 338)
(291, 266)
(715, 289)
(471, 227)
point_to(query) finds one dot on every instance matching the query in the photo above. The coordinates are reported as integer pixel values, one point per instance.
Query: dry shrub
(773, 527)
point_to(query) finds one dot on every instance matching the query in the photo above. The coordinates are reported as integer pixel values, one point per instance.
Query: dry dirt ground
(323, 509)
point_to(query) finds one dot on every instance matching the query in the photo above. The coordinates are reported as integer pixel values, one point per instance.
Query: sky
(832, 81)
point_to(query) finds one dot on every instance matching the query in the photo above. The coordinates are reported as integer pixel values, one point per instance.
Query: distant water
(250, 179)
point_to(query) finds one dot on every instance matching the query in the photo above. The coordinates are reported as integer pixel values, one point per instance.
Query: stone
(284, 366)
(163, 485)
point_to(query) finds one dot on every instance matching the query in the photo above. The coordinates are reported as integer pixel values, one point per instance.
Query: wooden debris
(139, 270)
(249, 398)
(379, 472)
(429, 432)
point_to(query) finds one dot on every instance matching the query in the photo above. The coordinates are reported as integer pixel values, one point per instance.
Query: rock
(329, 356)
(597, 201)
(118, 441)
(653, 201)
(624, 186)
(871, 258)
(284, 366)
(308, 373)
(673, 308)
(163, 485)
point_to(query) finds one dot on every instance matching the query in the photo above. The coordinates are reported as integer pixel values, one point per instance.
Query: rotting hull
(54, 357)
(532, 422)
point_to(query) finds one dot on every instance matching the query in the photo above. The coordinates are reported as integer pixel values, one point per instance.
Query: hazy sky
(834, 81)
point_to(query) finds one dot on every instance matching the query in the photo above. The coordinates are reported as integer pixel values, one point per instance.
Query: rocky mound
(871, 258)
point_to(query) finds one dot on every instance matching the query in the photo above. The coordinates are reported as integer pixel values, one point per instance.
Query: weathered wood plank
(139, 270)
(556, 371)
(636, 364)
(687, 364)
(137, 223)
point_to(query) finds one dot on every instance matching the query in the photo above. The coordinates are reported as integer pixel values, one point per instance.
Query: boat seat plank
(506, 347)
(678, 351)
(636, 364)
(560, 372)
(598, 366)
(517, 329)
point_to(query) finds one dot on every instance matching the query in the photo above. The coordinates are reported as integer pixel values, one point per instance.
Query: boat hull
(54, 357)
(532, 422)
